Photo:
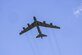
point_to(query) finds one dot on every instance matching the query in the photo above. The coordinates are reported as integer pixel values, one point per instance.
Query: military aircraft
(37, 24)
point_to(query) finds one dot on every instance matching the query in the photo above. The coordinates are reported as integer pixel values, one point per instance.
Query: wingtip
(20, 33)
(59, 27)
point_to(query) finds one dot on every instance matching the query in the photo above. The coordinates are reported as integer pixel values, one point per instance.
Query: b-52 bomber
(37, 24)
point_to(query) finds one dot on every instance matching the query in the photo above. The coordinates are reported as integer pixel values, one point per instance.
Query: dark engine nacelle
(51, 24)
(44, 22)
(28, 25)
(24, 28)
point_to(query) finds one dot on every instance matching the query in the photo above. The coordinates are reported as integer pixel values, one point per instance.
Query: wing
(44, 24)
(28, 28)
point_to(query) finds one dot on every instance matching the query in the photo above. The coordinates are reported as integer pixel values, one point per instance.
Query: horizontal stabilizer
(41, 35)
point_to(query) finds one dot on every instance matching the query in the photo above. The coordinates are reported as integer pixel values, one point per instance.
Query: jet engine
(44, 22)
(24, 28)
(28, 25)
(51, 24)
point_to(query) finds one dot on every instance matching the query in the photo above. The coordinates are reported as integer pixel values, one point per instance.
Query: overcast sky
(15, 14)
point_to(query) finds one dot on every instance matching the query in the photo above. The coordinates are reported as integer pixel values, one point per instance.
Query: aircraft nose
(34, 17)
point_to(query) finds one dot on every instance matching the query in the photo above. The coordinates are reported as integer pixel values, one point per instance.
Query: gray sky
(15, 14)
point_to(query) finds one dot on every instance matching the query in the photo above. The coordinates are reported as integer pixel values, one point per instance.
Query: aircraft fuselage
(38, 28)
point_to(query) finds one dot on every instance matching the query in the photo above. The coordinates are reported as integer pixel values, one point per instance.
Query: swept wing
(27, 28)
(44, 24)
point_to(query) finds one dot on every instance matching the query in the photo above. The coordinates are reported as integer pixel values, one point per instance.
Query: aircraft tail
(41, 35)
